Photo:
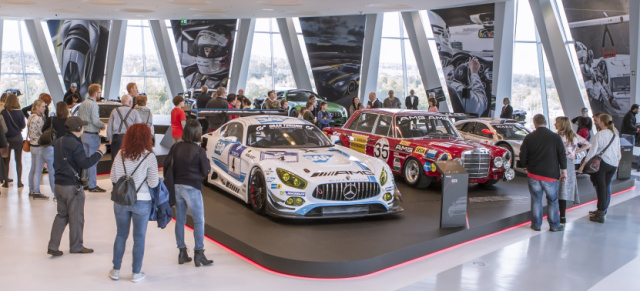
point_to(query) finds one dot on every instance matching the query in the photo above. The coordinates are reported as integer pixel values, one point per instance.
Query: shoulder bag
(48, 135)
(124, 190)
(593, 165)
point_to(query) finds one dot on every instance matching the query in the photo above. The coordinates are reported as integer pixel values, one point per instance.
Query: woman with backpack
(189, 164)
(136, 160)
(40, 153)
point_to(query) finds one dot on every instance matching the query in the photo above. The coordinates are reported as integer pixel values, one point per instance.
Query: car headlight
(291, 179)
(344, 112)
(297, 201)
(509, 174)
(506, 157)
(383, 177)
(498, 162)
(339, 84)
(443, 157)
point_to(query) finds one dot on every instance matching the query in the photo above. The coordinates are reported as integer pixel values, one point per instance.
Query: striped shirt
(148, 169)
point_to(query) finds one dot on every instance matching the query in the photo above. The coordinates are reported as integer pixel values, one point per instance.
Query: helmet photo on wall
(204, 50)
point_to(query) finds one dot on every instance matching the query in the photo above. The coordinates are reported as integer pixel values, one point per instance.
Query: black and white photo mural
(464, 38)
(204, 49)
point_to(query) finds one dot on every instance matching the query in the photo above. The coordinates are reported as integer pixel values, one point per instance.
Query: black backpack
(124, 191)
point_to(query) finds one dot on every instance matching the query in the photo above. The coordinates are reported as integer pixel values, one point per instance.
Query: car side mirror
(486, 131)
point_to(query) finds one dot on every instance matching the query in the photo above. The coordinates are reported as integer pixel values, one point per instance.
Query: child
(303, 110)
(178, 119)
(308, 114)
(324, 118)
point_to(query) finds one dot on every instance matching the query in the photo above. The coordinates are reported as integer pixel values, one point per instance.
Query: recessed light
(17, 2)
(281, 3)
(107, 2)
(208, 10)
(136, 10)
(190, 2)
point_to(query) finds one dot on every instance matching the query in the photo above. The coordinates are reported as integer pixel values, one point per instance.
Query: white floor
(24, 265)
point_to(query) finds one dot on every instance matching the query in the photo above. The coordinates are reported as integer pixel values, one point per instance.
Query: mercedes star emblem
(349, 192)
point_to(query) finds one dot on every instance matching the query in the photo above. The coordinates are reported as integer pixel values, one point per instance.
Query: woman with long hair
(355, 105)
(40, 153)
(190, 165)
(606, 144)
(433, 105)
(573, 144)
(58, 120)
(15, 121)
(136, 158)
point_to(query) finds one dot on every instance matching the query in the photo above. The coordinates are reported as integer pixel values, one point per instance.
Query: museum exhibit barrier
(626, 149)
(455, 185)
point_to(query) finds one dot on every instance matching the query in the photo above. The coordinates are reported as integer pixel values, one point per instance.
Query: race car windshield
(424, 126)
(286, 136)
(511, 132)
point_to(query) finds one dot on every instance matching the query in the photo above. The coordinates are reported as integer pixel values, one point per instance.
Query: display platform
(355, 247)
(104, 165)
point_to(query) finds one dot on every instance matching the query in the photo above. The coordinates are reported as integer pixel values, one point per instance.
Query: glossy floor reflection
(586, 255)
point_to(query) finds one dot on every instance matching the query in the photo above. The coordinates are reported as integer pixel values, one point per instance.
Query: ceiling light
(267, 9)
(136, 10)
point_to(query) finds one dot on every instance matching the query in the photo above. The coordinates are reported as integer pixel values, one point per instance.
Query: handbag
(47, 137)
(26, 146)
(593, 165)
(124, 190)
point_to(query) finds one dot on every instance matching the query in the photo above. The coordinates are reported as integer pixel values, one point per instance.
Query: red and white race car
(410, 141)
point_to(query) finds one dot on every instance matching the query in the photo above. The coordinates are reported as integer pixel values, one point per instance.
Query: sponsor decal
(389, 189)
(270, 119)
(276, 186)
(268, 172)
(270, 179)
(431, 154)
(318, 158)
(293, 193)
(340, 152)
(430, 167)
(381, 149)
(281, 126)
(236, 150)
(359, 143)
(405, 143)
(403, 148)
(286, 157)
(443, 144)
(362, 166)
(405, 118)
(420, 150)
(220, 145)
(338, 173)
(396, 164)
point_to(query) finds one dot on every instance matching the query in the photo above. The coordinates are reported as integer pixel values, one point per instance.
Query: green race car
(299, 98)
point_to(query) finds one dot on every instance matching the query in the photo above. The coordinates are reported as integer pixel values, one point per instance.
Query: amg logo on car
(338, 173)
(404, 148)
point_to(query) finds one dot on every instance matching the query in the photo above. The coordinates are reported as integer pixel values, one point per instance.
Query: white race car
(287, 167)
(505, 133)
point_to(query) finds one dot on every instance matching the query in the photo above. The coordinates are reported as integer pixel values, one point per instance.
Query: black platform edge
(355, 269)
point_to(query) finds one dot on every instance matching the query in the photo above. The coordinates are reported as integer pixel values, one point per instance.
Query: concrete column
(426, 54)
(168, 61)
(554, 33)
(115, 55)
(241, 55)
(294, 53)
(370, 56)
(46, 61)
(634, 49)
(505, 28)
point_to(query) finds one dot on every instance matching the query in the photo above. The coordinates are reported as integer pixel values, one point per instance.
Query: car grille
(340, 191)
(335, 114)
(477, 163)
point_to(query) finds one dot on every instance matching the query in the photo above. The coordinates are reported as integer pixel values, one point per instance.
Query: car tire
(414, 174)
(257, 192)
(490, 182)
(293, 112)
(510, 149)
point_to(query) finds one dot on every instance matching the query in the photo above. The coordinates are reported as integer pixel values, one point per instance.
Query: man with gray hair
(119, 120)
(543, 155)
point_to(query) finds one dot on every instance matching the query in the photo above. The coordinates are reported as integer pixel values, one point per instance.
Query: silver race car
(286, 167)
(505, 133)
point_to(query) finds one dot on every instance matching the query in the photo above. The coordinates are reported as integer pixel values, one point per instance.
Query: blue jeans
(536, 188)
(91, 143)
(39, 156)
(139, 213)
(189, 197)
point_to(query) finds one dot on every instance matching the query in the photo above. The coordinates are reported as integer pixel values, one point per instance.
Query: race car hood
(455, 147)
(323, 164)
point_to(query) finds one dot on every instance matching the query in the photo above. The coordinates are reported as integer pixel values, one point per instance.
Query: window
(141, 65)
(234, 129)
(364, 122)
(466, 127)
(480, 127)
(384, 125)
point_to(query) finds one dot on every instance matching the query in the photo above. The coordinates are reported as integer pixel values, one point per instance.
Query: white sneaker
(114, 274)
(138, 277)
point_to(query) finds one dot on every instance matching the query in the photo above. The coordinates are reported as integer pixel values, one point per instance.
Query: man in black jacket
(543, 155)
(507, 110)
(411, 101)
(373, 101)
(68, 161)
(220, 102)
(201, 102)
(629, 125)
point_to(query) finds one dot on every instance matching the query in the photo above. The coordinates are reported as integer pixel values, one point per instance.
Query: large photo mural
(601, 32)
(204, 49)
(81, 49)
(334, 45)
(464, 38)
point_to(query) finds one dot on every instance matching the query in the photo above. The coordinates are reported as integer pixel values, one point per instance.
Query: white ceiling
(198, 9)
